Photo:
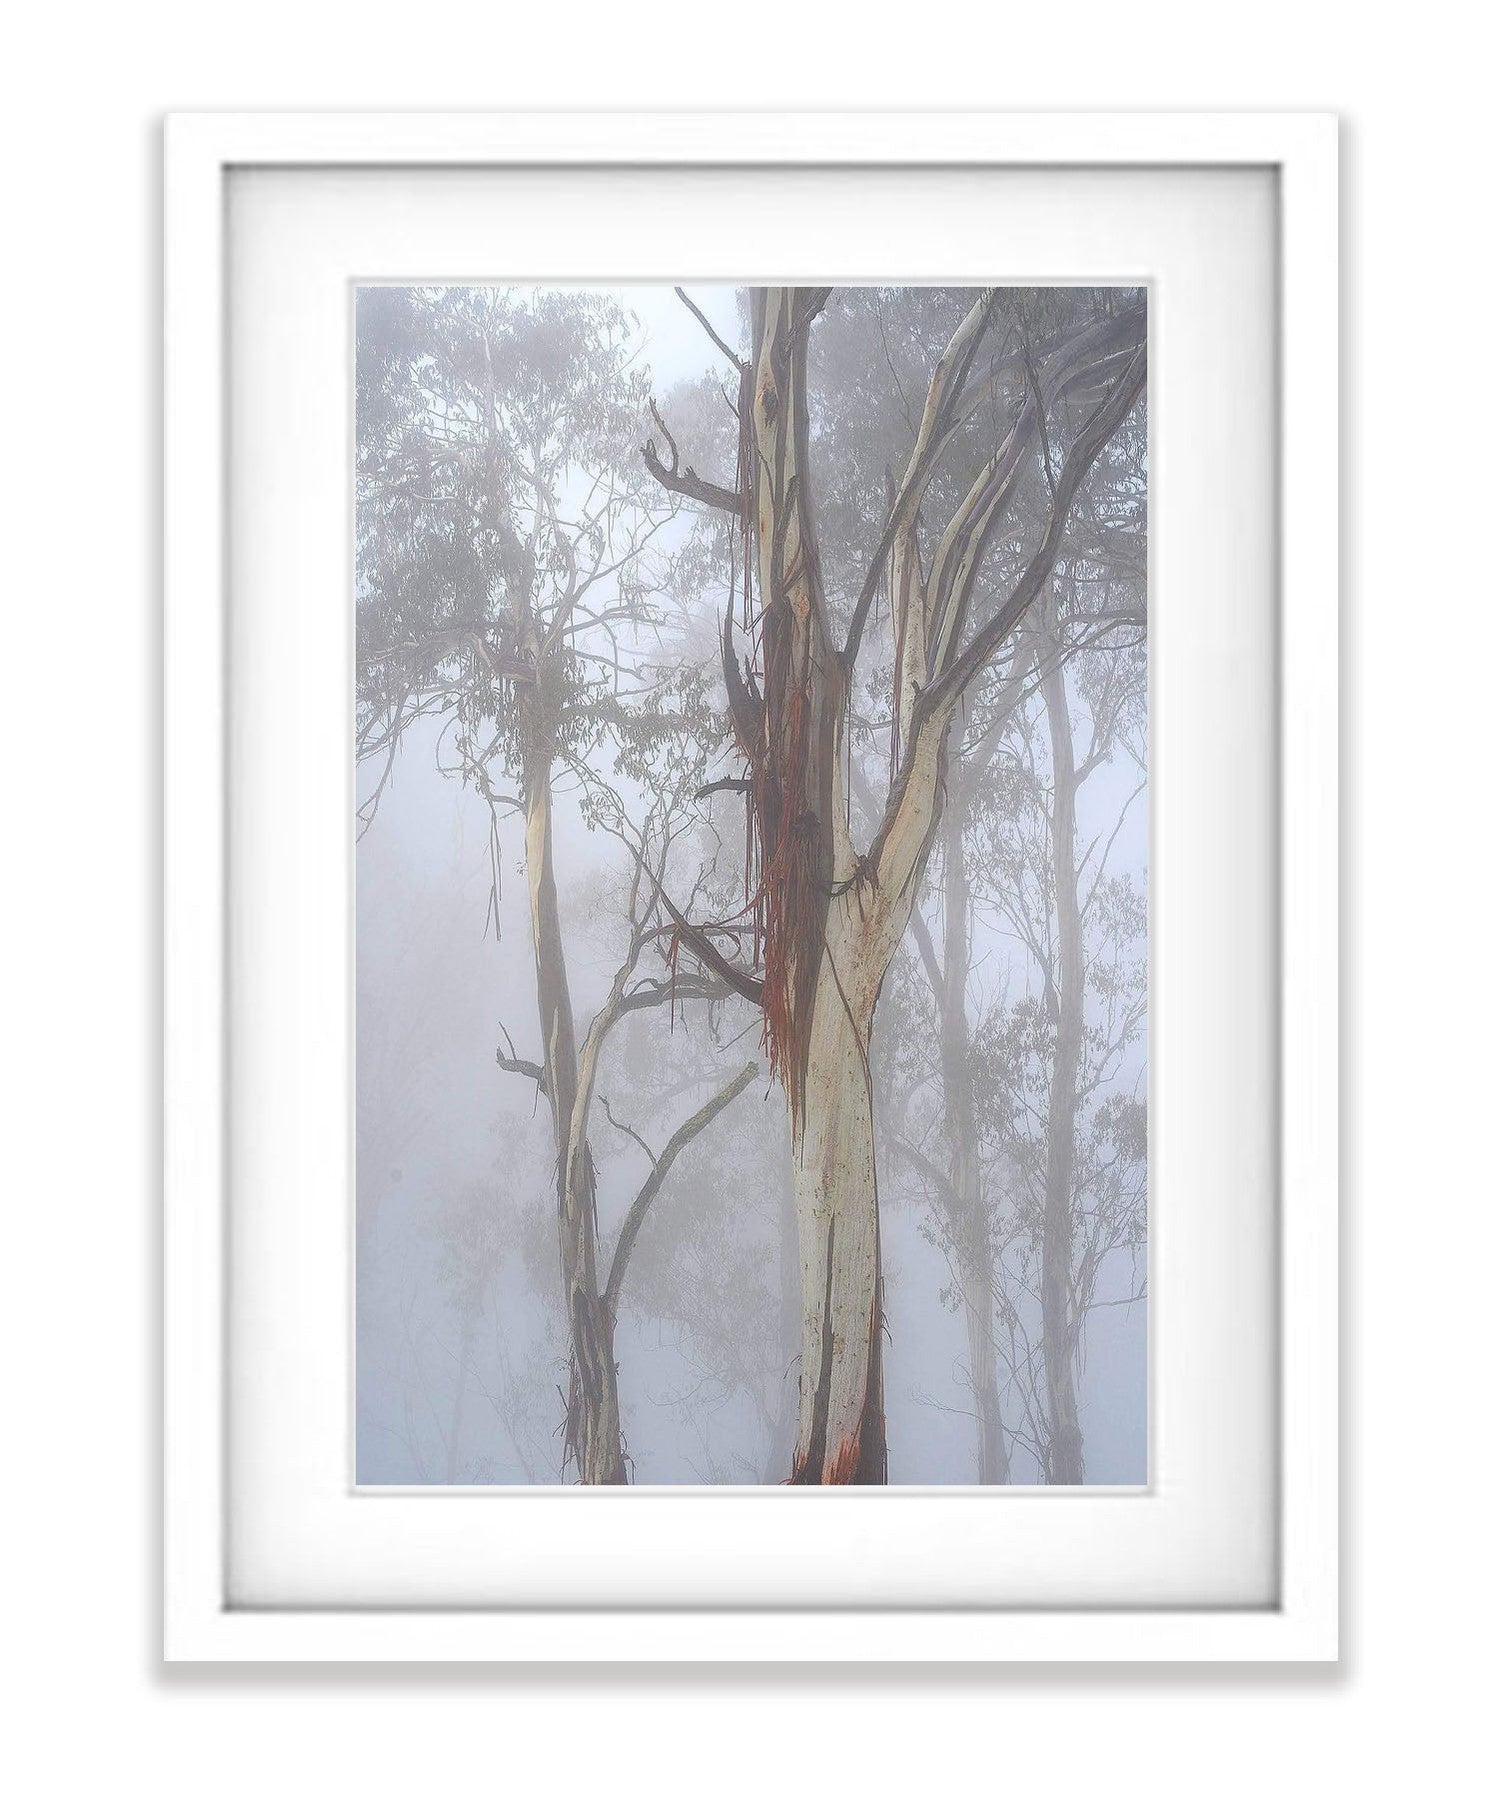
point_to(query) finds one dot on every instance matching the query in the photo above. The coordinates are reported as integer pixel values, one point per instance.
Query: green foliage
(503, 525)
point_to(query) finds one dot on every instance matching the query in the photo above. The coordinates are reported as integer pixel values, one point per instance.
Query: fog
(466, 1356)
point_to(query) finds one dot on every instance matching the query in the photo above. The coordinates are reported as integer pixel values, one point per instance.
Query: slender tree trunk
(978, 1304)
(455, 1421)
(593, 1431)
(970, 1230)
(1058, 1335)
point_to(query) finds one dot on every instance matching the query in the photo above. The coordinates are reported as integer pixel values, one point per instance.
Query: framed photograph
(751, 888)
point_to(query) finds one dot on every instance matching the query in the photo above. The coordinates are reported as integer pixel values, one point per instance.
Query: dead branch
(686, 481)
(702, 319)
(680, 1138)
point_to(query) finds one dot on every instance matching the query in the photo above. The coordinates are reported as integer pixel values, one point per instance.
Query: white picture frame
(201, 1623)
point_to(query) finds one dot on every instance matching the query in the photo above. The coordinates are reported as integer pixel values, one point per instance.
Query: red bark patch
(847, 1463)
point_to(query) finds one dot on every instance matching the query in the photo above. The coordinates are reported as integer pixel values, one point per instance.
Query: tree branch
(686, 481)
(702, 319)
(706, 951)
(929, 961)
(628, 1130)
(939, 418)
(659, 993)
(514, 1064)
(923, 1165)
(910, 815)
(680, 1138)
(1107, 417)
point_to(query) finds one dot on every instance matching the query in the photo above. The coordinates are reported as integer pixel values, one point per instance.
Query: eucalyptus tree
(503, 592)
(827, 913)
(592, 1424)
(1064, 1106)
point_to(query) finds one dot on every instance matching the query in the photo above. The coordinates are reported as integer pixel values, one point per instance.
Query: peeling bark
(841, 1415)
(820, 981)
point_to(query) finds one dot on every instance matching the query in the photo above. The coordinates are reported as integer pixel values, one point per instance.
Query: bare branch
(627, 1130)
(939, 419)
(707, 952)
(514, 1064)
(680, 1138)
(686, 481)
(1106, 420)
(702, 319)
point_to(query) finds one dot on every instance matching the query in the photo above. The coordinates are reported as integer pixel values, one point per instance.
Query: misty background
(461, 1342)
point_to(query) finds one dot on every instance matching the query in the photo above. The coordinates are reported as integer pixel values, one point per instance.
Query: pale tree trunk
(824, 959)
(568, 1075)
(593, 1429)
(460, 1389)
(1058, 1335)
(970, 1230)
(983, 1361)
(841, 1416)
(592, 1422)
(841, 1421)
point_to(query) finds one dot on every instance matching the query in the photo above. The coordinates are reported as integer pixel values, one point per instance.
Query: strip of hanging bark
(745, 709)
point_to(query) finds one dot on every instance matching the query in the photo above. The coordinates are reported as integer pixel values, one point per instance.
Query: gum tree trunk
(593, 1400)
(969, 1219)
(841, 1419)
(827, 936)
(841, 1416)
(1058, 1338)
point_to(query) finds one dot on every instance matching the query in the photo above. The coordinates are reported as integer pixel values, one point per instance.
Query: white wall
(86, 1698)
